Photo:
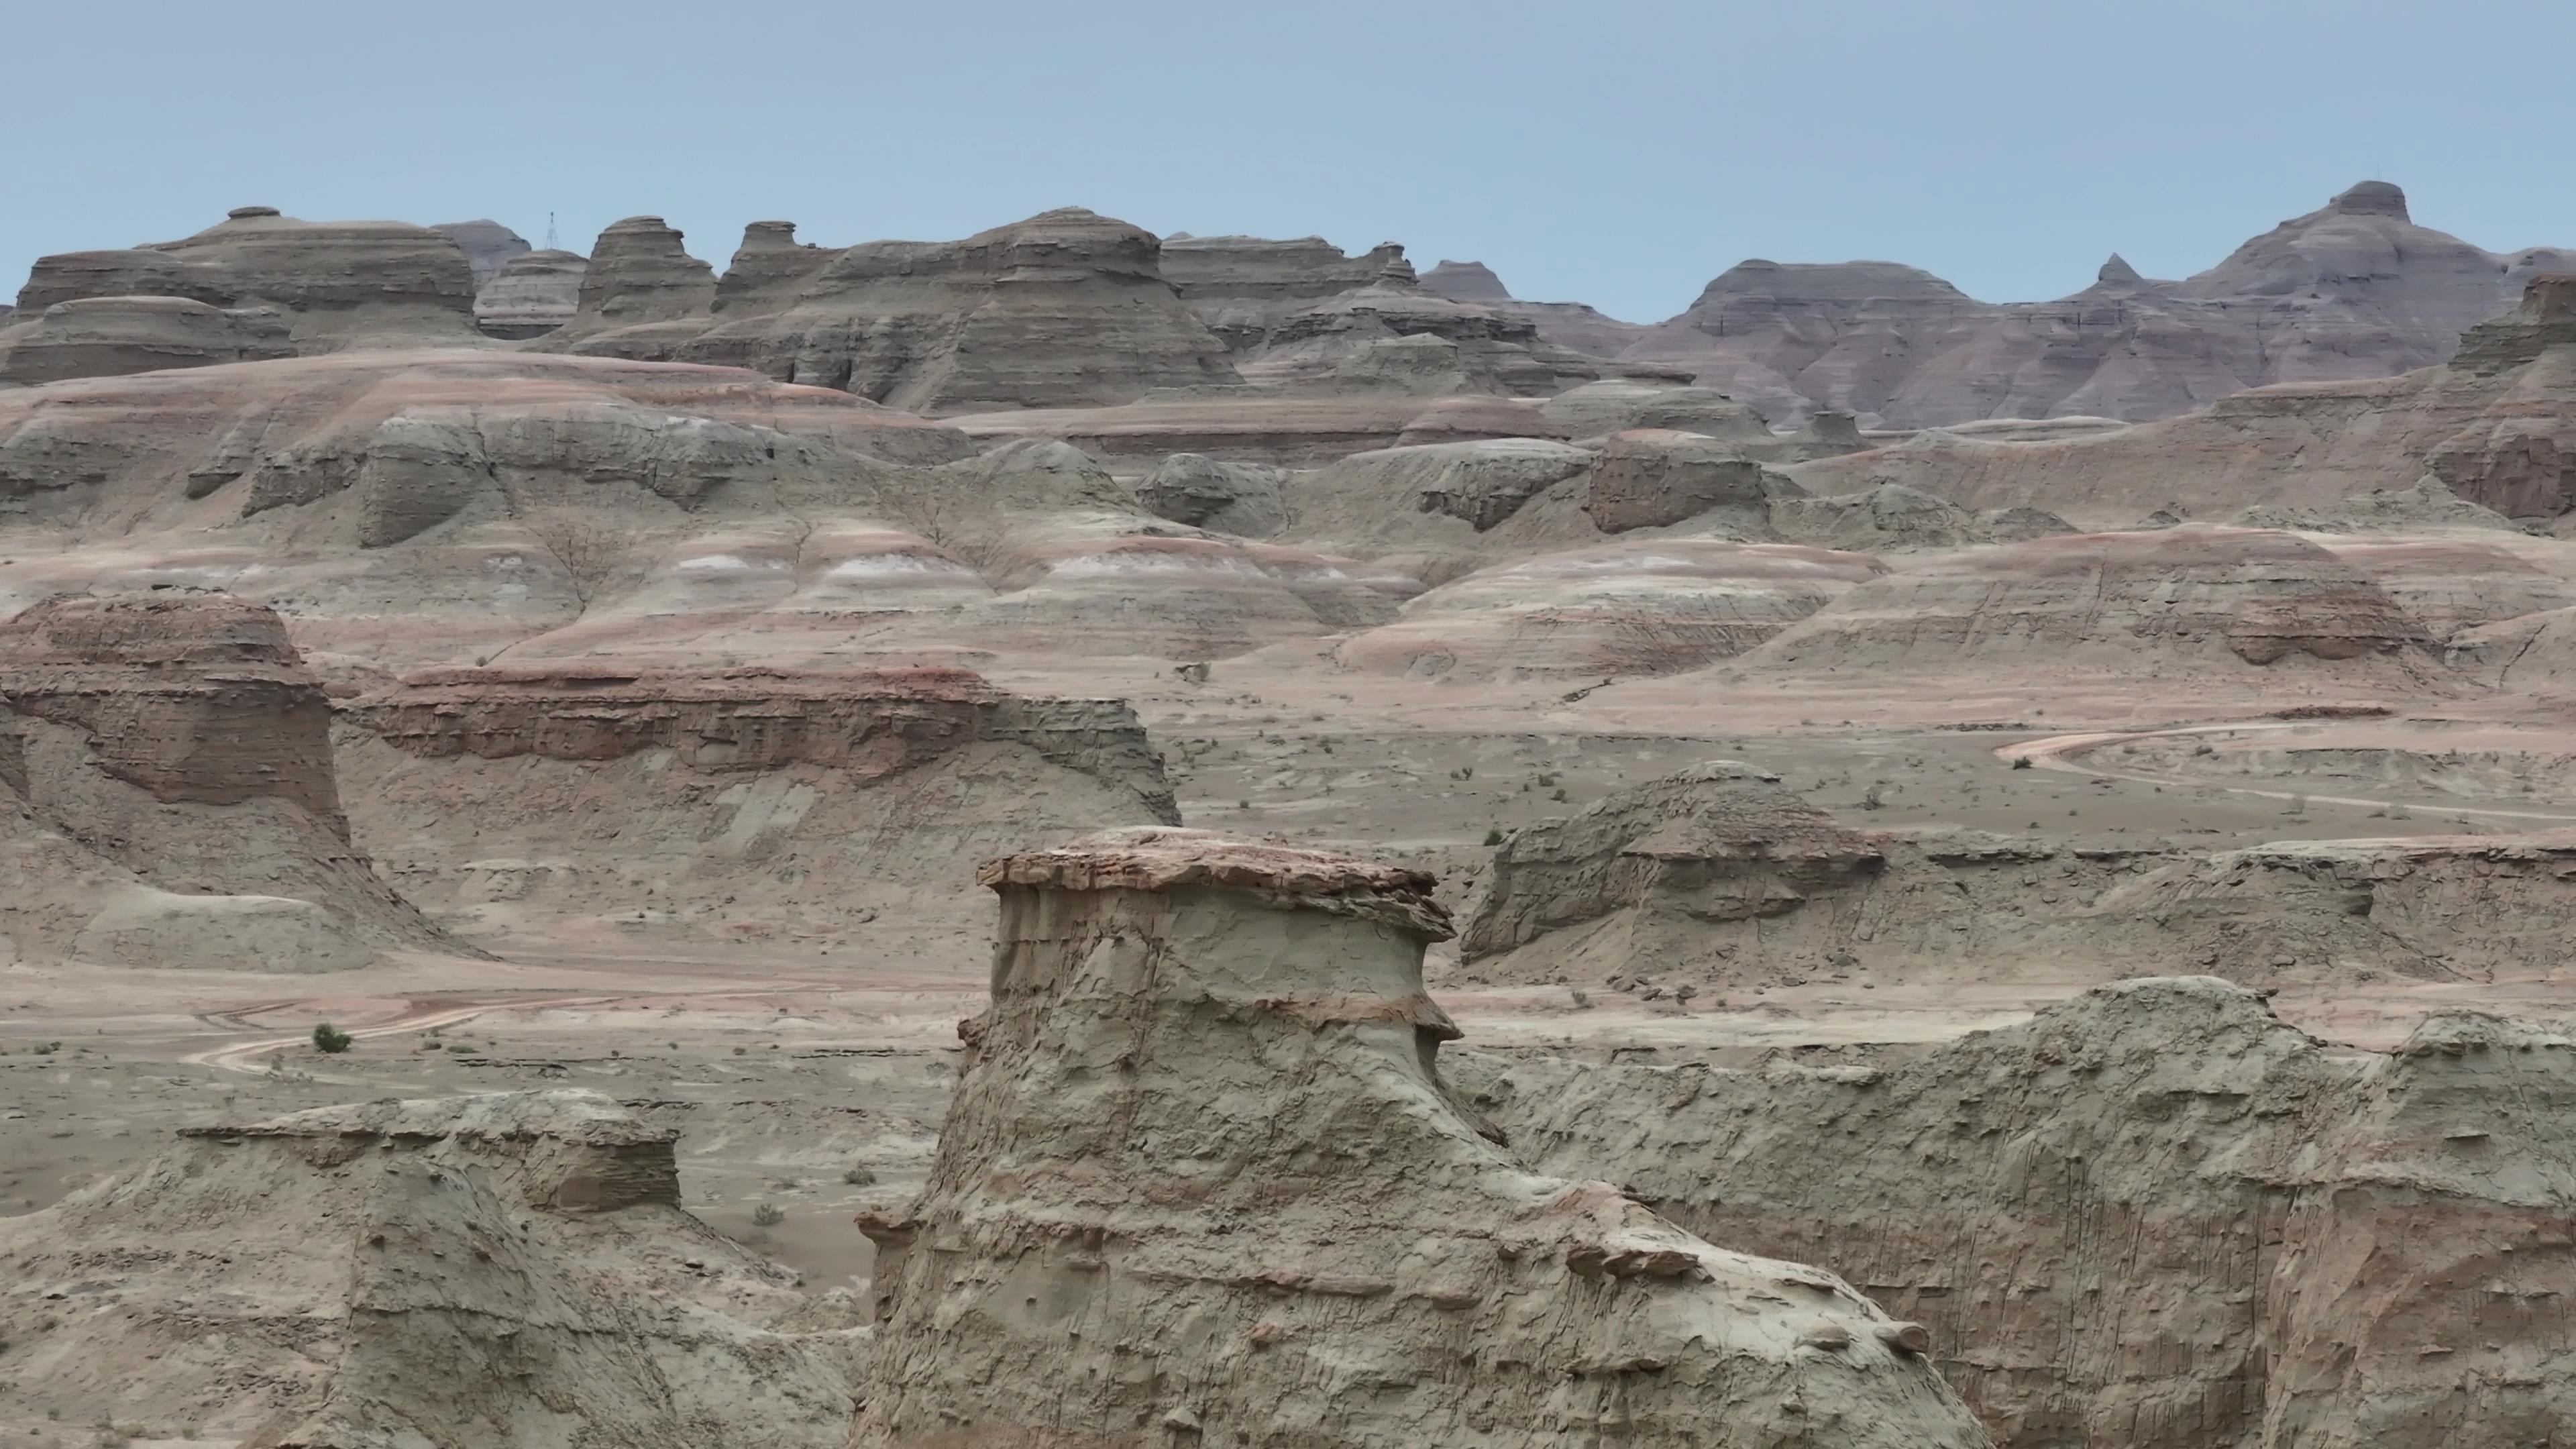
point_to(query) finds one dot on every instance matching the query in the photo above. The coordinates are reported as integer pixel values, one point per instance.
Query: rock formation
(487, 244)
(530, 294)
(1276, 427)
(2450, 584)
(2151, 1215)
(471, 1270)
(1237, 498)
(336, 283)
(2352, 290)
(1465, 282)
(1064, 309)
(1567, 324)
(1647, 478)
(1719, 875)
(1626, 608)
(400, 441)
(113, 336)
(169, 793)
(1188, 1034)
(1241, 284)
(640, 273)
(806, 800)
(1892, 516)
(2139, 603)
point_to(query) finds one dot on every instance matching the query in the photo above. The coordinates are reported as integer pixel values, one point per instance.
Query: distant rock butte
(1277, 1057)
(2352, 290)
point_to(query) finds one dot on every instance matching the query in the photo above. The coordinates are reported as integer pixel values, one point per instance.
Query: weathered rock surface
(1064, 309)
(2352, 290)
(2532, 651)
(1647, 478)
(2151, 1215)
(1571, 325)
(1627, 608)
(1276, 1057)
(1719, 875)
(1893, 516)
(396, 442)
(530, 294)
(472, 1270)
(2450, 583)
(1237, 498)
(2184, 598)
(1265, 427)
(743, 803)
(640, 273)
(113, 336)
(166, 763)
(337, 283)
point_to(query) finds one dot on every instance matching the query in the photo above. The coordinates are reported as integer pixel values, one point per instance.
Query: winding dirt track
(416, 1016)
(2058, 752)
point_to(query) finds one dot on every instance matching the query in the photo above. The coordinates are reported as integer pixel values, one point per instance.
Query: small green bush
(1494, 835)
(331, 1040)
(768, 1215)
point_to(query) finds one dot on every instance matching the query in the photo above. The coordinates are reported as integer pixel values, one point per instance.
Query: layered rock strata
(1188, 1033)
(472, 1270)
(168, 760)
(2151, 1215)
(530, 294)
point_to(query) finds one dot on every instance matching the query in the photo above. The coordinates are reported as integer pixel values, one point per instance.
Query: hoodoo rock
(469, 1270)
(640, 273)
(2151, 1215)
(168, 786)
(335, 284)
(487, 244)
(1189, 1035)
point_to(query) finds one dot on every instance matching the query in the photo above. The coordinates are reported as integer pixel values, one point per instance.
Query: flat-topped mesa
(2371, 198)
(2545, 318)
(769, 269)
(640, 272)
(872, 723)
(1190, 1035)
(1465, 282)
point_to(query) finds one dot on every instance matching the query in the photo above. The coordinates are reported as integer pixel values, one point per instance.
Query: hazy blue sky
(1615, 153)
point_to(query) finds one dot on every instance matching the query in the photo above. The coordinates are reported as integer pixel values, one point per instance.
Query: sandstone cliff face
(2150, 1216)
(112, 336)
(640, 273)
(1190, 1034)
(337, 284)
(177, 741)
(473, 1270)
(487, 244)
(2352, 290)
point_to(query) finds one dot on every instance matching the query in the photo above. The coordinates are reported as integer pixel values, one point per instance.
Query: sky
(1614, 153)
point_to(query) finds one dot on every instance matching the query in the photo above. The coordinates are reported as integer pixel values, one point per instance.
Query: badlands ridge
(1075, 837)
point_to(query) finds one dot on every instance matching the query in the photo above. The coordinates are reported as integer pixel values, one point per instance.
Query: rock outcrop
(113, 336)
(1627, 608)
(530, 294)
(471, 1270)
(1238, 498)
(1572, 325)
(1064, 309)
(2184, 598)
(2352, 290)
(737, 802)
(640, 273)
(1189, 1033)
(2151, 1215)
(336, 284)
(1648, 478)
(168, 784)
(1893, 516)
(2450, 584)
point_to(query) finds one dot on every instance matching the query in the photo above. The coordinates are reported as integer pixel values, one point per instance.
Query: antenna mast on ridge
(550, 232)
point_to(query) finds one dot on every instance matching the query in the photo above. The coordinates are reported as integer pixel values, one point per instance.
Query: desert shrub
(331, 1040)
(768, 1215)
(1494, 835)
(2021, 762)
(858, 1176)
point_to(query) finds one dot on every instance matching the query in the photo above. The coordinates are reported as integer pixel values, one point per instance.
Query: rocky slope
(487, 244)
(1191, 1033)
(170, 797)
(2352, 290)
(741, 804)
(2151, 1215)
(331, 285)
(2139, 604)
(471, 1270)
(530, 294)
